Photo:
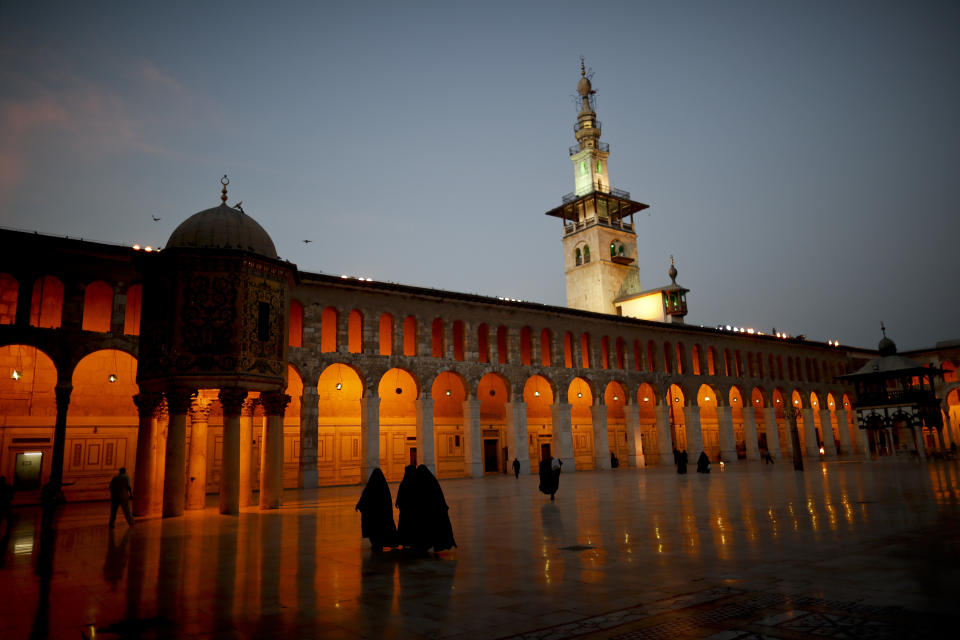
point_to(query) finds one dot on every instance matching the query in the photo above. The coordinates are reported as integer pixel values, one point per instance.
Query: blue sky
(801, 160)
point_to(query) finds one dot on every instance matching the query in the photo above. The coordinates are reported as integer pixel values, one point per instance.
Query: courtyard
(846, 549)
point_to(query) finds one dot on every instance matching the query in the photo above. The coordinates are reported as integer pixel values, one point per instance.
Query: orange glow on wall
(502, 345)
(132, 310)
(436, 338)
(46, 307)
(448, 409)
(355, 332)
(546, 348)
(492, 393)
(525, 346)
(483, 343)
(409, 336)
(93, 392)
(585, 350)
(458, 351)
(386, 334)
(539, 396)
(397, 405)
(97, 307)
(580, 397)
(568, 350)
(296, 324)
(328, 330)
(614, 398)
(8, 298)
(32, 393)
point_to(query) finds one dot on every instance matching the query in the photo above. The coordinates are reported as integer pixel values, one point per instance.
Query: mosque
(213, 366)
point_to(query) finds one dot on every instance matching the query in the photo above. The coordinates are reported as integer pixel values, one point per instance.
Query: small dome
(887, 347)
(222, 227)
(584, 87)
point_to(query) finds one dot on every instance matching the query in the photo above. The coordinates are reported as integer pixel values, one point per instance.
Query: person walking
(516, 468)
(376, 513)
(6, 502)
(703, 463)
(682, 462)
(120, 494)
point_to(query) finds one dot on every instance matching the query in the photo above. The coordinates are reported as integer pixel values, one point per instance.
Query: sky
(801, 160)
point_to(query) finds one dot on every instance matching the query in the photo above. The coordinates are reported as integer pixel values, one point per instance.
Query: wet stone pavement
(843, 550)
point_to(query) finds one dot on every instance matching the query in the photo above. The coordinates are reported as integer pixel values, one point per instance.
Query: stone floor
(843, 550)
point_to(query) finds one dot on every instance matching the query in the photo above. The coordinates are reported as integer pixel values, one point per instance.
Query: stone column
(425, 451)
(790, 415)
(918, 440)
(826, 424)
(246, 452)
(728, 442)
(810, 434)
(175, 471)
(473, 440)
(309, 434)
(691, 420)
(601, 437)
(232, 401)
(750, 433)
(563, 435)
(62, 391)
(843, 428)
(517, 446)
(631, 414)
(369, 435)
(271, 470)
(197, 462)
(159, 467)
(863, 441)
(943, 449)
(146, 462)
(773, 433)
(664, 439)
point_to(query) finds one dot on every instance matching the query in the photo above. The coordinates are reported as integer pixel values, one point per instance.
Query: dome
(887, 347)
(222, 227)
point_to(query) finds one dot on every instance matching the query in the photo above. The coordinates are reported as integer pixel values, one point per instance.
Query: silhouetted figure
(6, 502)
(550, 476)
(703, 463)
(676, 457)
(614, 461)
(376, 512)
(767, 458)
(405, 498)
(120, 494)
(516, 468)
(682, 462)
(424, 521)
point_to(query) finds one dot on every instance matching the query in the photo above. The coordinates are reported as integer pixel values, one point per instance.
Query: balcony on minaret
(603, 205)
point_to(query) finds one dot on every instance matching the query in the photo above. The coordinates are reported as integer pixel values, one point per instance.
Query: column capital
(232, 400)
(147, 403)
(274, 403)
(179, 399)
(63, 391)
(249, 407)
(199, 410)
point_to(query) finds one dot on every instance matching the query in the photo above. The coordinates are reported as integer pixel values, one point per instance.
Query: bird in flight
(239, 207)
(307, 241)
(155, 218)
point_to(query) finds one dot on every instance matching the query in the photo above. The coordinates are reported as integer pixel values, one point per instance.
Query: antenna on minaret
(883, 329)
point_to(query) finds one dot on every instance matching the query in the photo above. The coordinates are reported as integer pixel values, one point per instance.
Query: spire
(673, 272)
(223, 193)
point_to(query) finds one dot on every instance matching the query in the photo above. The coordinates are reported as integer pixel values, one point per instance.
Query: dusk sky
(801, 160)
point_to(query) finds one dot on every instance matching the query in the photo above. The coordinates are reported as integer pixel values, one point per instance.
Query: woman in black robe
(703, 463)
(437, 531)
(682, 462)
(376, 512)
(406, 496)
(549, 479)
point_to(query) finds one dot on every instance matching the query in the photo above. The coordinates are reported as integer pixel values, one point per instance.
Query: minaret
(599, 243)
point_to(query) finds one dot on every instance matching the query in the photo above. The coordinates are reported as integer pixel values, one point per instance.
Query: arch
(779, 368)
(751, 370)
(580, 394)
(949, 371)
(134, 307)
(727, 363)
(355, 331)
(667, 357)
(410, 336)
(738, 361)
(9, 288)
(651, 356)
(97, 306)
(27, 380)
(586, 254)
(647, 396)
(525, 346)
(578, 257)
(493, 392)
(538, 395)
(712, 361)
(437, 345)
(760, 365)
(340, 389)
(385, 334)
(637, 356)
(104, 383)
(707, 399)
(676, 401)
(604, 352)
(682, 359)
(483, 343)
(294, 389)
(790, 372)
(503, 345)
(585, 350)
(46, 306)
(295, 333)
(695, 360)
(458, 340)
(546, 348)
(329, 318)
(614, 399)
(771, 366)
(448, 391)
(621, 354)
(568, 350)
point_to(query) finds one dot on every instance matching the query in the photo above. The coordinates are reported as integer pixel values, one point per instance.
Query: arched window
(386, 334)
(637, 355)
(355, 332)
(437, 338)
(616, 249)
(409, 336)
(621, 354)
(503, 345)
(695, 357)
(458, 340)
(328, 330)
(711, 361)
(586, 254)
(667, 357)
(568, 350)
(46, 305)
(605, 352)
(651, 356)
(295, 330)
(525, 346)
(579, 257)
(8, 298)
(546, 348)
(585, 350)
(483, 343)
(131, 312)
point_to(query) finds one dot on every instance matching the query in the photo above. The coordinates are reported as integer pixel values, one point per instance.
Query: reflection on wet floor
(619, 548)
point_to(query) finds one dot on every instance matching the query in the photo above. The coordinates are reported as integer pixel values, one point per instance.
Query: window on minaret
(599, 170)
(579, 257)
(586, 255)
(583, 167)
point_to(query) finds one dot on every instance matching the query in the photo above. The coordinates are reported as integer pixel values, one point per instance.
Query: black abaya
(376, 512)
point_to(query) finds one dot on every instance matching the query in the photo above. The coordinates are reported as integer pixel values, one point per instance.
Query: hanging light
(616, 398)
(536, 394)
(448, 392)
(339, 386)
(646, 399)
(17, 374)
(112, 377)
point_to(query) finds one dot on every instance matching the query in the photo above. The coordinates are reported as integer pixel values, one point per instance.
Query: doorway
(413, 456)
(545, 451)
(26, 475)
(490, 456)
